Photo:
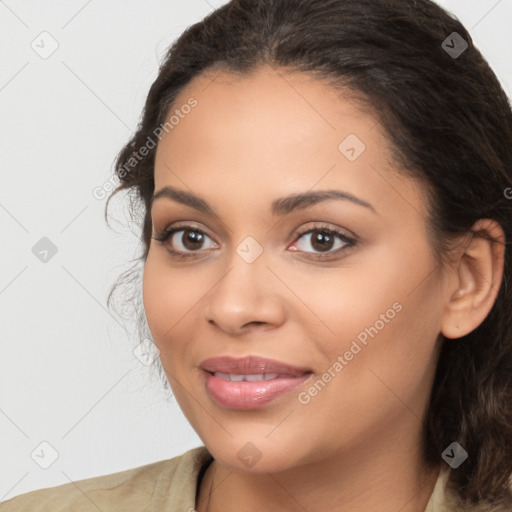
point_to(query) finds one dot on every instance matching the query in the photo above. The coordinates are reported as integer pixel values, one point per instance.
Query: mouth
(250, 382)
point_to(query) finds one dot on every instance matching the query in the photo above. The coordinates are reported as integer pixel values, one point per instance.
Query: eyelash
(164, 235)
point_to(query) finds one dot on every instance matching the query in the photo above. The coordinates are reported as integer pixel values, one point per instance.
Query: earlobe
(479, 276)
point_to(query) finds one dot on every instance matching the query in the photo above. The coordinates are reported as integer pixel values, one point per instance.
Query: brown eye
(184, 240)
(322, 241)
(191, 240)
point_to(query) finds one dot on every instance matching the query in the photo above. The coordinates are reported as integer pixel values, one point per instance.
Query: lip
(250, 394)
(250, 365)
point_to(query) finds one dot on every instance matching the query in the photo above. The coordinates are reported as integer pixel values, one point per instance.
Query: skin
(356, 444)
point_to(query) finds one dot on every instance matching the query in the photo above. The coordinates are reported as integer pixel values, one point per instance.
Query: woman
(326, 191)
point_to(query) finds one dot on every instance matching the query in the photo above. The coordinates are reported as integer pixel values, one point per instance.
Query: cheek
(390, 360)
(382, 314)
(339, 305)
(168, 297)
(375, 381)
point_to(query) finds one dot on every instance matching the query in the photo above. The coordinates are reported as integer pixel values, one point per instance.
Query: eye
(323, 239)
(187, 241)
(190, 241)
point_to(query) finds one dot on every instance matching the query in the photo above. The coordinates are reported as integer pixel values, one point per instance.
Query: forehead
(274, 132)
(283, 110)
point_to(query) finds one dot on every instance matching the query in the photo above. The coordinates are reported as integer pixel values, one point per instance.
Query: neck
(384, 475)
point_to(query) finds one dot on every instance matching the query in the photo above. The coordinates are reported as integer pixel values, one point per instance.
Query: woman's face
(357, 313)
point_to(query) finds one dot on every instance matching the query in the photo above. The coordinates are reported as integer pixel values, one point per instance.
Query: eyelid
(322, 225)
(184, 225)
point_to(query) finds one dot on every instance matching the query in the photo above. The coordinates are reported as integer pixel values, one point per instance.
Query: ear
(479, 271)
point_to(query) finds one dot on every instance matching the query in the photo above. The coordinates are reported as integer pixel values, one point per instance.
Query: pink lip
(251, 364)
(250, 395)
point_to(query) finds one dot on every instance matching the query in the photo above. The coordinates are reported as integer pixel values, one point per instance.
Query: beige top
(167, 485)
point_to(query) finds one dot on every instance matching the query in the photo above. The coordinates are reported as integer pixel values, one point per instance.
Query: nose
(247, 297)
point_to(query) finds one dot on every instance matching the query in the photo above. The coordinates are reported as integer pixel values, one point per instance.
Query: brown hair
(450, 125)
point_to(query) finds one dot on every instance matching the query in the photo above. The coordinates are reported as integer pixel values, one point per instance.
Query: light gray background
(68, 375)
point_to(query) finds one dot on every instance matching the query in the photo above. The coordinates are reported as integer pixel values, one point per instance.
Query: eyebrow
(280, 207)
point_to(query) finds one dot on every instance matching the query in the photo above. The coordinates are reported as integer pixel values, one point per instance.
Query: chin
(254, 456)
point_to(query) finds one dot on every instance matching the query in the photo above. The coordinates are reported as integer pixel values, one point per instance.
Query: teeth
(256, 376)
(250, 378)
(223, 376)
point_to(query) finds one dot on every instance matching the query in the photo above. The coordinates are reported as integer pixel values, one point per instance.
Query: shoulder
(158, 486)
